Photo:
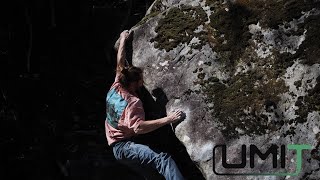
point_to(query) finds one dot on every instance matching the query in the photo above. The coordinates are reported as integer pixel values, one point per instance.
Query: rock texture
(244, 71)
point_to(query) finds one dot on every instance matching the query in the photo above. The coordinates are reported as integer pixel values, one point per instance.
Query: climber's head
(132, 78)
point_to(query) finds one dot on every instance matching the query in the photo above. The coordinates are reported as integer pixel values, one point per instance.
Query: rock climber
(126, 119)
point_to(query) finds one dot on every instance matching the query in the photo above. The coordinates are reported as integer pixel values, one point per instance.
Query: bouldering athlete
(126, 119)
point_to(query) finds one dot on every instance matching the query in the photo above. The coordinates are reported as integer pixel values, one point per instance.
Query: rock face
(244, 71)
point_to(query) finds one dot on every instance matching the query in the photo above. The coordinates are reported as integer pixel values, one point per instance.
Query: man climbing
(126, 119)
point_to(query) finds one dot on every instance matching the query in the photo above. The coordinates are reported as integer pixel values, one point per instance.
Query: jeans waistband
(115, 143)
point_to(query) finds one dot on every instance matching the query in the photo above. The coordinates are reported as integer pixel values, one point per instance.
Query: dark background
(57, 63)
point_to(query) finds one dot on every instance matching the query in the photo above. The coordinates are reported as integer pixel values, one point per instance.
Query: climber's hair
(129, 75)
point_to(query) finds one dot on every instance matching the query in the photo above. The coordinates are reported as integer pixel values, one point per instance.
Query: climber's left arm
(121, 55)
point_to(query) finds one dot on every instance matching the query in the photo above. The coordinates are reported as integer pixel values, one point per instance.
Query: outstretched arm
(151, 125)
(121, 55)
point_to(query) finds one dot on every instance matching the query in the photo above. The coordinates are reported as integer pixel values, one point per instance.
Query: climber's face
(136, 85)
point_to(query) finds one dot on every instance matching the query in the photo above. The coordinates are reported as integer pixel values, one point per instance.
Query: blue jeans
(138, 156)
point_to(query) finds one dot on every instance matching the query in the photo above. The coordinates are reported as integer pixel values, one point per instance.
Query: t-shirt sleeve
(134, 115)
(116, 80)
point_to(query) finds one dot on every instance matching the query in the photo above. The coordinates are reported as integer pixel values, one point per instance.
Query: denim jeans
(138, 156)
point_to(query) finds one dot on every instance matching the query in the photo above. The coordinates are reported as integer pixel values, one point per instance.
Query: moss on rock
(309, 103)
(178, 26)
(231, 25)
(231, 22)
(157, 6)
(240, 100)
(239, 103)
(309, 49)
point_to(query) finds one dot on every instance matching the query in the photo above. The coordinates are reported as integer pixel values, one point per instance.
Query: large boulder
(243, 71)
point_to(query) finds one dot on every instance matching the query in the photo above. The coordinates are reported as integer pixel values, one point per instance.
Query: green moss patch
(232, 34)
(157, 6)
(178, 26)
(240, 94)
(232, 42)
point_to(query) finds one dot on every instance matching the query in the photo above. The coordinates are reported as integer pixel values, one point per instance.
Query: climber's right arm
(151, 125)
